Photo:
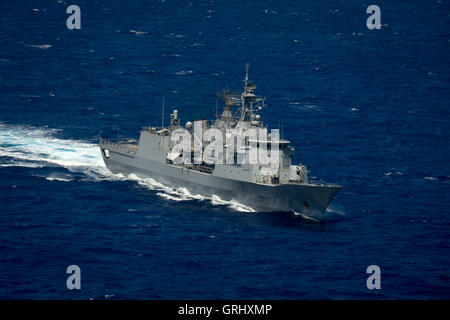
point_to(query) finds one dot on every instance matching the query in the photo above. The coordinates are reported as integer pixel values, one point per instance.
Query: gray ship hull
(310, 200)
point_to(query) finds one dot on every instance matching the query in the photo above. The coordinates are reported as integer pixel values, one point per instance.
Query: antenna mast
(217, 105)
(247, 66)
(162, 114)
(244, 94)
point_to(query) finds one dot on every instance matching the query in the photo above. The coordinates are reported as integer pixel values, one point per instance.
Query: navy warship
(242, 160)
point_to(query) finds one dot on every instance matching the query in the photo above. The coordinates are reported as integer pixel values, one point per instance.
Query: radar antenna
(247, 66)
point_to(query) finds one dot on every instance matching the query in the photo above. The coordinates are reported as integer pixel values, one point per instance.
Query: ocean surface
(366, 109)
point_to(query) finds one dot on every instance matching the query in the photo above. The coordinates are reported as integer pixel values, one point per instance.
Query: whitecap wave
(394, 173)
(138, 33)
(183, 72)
(39, 147)
(40, 46)
(21, 164)
(53, 178)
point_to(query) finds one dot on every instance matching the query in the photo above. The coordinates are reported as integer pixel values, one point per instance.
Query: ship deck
(126, 147)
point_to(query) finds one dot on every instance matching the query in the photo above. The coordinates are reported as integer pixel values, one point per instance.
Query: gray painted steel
(261, 197)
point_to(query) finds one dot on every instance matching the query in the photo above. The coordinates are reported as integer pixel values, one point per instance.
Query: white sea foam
(40, 46)
(39, 147)
(21, 164)
(183, 194)
(303, 106)
(56, 178)
(395, 173)
(183, 72)
(334, 208)
(138, 33)
(235, 205)
(306, 217)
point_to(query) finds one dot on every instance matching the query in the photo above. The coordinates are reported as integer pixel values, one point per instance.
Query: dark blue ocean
(366, 109)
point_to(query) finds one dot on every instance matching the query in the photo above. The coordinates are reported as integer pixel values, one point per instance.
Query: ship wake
(183, 194)
(31, 147)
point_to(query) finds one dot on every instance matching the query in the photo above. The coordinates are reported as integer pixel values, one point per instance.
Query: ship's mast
(162, 114)
(247, 101)
(244, 94)
(247, 66)
(217, 105)
(248, 98)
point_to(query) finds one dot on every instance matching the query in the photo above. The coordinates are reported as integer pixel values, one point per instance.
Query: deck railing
(126, 147)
